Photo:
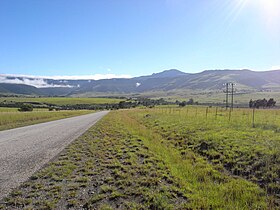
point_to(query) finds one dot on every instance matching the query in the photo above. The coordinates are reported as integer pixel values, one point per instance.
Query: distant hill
(168, 80)
(172, 73)
(19, 89)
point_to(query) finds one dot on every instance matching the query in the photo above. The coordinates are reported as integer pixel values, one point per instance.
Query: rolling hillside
(169, 80)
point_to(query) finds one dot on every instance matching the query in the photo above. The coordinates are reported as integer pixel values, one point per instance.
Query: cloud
(77, 77)
(138, 84)
(89, 77)
(275, 67)
(40, 81)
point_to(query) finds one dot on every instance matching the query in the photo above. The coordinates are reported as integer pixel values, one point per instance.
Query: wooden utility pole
(226, 94)
(216, 113)
(232, 96)
(253, 118)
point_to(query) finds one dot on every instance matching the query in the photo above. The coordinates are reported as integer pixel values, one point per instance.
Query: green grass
(8, 109)
(213, 96)
(228, 140)
(11, 118)
(106, 168)
(208, 186)
(150, 159)
(62, 100)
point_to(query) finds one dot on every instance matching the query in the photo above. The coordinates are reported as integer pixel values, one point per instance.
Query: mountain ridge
(167, 80)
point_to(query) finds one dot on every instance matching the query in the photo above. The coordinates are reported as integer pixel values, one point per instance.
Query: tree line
(127, 104)
(262, 103)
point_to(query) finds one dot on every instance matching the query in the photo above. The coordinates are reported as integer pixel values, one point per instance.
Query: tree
(182, 104)
(26, 108)
(190, 102)
(251, 103)
(271, 103)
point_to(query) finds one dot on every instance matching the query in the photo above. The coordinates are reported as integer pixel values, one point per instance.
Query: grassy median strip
(122, 164)
(11, 118)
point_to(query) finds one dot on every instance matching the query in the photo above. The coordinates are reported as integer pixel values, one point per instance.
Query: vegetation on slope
(170, 80)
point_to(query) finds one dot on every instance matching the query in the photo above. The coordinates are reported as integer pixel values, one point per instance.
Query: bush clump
(26, 108)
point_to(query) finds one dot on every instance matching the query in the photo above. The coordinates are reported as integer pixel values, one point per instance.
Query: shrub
(51, 109)
(182, 104)
(26, 108)
(190, 102)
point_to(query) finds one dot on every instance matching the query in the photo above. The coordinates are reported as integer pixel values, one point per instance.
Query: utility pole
(232, 93)
(232, 96)
(226, 84)
(227, 92)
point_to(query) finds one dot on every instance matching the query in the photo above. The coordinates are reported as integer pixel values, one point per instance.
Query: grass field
(12, 118)
(62, 100)
(163, 158)
(228, 140)
(212, 96)
(8, 109)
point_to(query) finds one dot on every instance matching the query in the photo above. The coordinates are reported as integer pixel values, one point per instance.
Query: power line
(226, 91)
(231, 92)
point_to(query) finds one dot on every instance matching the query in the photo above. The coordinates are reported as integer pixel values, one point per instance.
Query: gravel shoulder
(25, 150)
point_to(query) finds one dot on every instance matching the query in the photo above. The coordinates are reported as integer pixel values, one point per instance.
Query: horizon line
(116, 76)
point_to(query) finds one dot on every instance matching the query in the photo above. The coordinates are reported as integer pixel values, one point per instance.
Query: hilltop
(168, 81)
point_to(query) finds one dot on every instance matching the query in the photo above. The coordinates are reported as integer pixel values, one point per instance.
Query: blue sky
(137, 37)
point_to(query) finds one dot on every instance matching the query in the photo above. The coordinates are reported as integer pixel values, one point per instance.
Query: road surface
(25, 150)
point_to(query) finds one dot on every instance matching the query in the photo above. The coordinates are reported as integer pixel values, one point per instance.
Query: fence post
(216, 113)
(206, 112)
(229, 115)
(253, 117)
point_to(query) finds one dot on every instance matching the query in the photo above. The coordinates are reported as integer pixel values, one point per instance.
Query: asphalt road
(25, 150)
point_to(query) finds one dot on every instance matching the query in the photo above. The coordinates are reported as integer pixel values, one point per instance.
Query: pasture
(61, 100)
(241, 99)
(12, 118)
(242, 142)
(164, 158)
(11, 109)
(8, 109)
